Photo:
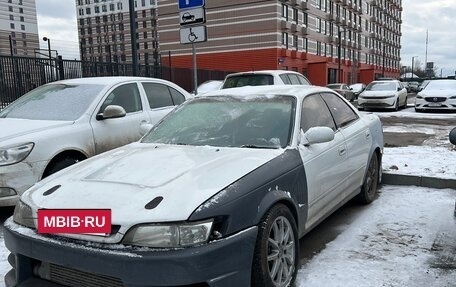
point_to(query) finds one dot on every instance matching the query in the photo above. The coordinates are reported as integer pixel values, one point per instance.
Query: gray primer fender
(243, 203)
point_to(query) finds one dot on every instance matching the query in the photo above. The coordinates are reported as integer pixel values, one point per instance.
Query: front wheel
(370, 184)
(275, 262)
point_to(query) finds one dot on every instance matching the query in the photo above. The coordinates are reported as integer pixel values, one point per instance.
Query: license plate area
(75, 221)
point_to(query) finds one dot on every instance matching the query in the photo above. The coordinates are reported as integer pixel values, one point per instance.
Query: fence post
(60, 68)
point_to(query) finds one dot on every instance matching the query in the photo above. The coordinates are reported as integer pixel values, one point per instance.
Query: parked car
(358, 88)
(217, 199)
(438, 94)
(413, 87)
(266, 77)
(423, 85)
(383, 94)
(61, 123)
(344, 90)
(209, 86)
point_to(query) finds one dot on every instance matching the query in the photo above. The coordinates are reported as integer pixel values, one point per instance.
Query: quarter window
(158, 95)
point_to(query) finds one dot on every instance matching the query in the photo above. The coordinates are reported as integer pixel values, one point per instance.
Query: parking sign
(188, 4)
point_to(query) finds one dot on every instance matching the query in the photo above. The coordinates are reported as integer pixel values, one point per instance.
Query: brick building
(292, 34)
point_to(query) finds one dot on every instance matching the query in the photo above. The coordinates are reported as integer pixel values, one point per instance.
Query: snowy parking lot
(407, 237)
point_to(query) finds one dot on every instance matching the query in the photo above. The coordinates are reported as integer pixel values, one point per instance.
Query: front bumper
(18, 178)
(225, 262)
(377, 102)
(422, 104)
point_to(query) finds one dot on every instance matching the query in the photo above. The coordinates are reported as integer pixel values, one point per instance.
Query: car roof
(299, 91)
(106, 80)
(271, 72)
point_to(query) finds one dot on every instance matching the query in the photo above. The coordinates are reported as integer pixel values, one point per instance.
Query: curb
(424, 181)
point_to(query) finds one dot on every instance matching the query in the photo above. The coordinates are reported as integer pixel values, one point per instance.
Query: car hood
(11, 128)
(126, 179)
(438, 93)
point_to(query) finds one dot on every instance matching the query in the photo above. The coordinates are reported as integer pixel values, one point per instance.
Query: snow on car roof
(272, 72)
(105, 80)
(298, 91)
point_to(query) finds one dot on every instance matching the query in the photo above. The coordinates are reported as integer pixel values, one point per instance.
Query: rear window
(248, 80)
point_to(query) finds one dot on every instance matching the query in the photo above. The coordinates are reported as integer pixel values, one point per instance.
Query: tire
(370, 184)
(276, 254)
(59, 164)
(396, 107)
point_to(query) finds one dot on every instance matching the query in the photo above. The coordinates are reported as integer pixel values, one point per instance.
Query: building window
(12, 26)
(144, 24)
(11, 17)
(10, 8)
(21, 10)
(285, 39)
(81, 12)
(111, 7)
(104, 8)
(295, 15)
(294, 44)
(88, 11)
(22, 27)
(24, 36)
(87, 1)
(285, 11)
(119, 6)
(80, 2)
(97, 9)
(145, 35)
(143, 3)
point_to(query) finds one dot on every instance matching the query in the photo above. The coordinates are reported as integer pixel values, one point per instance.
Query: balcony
(344, 23)
(304, 6)
(330, 17)
(304, 31)
(285, 25)
(294, 28)
(294, 2)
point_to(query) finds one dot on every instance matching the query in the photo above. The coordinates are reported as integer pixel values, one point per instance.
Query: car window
(340, 110)
(248, 80)
(285, 79)
(54, 102)
(258, 122)
(158, 95)
(303, 80)
(177, 97)
(315, 113)
(294, 79)
(127, 96)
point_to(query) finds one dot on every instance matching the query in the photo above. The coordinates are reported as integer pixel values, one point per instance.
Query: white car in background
(264, 78)
(437, 95)
(383, 94)
(61, 123)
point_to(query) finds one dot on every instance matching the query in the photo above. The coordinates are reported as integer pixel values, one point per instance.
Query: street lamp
(46, 39)
(413, 61)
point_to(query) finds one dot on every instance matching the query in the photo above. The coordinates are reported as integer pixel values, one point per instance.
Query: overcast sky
(57, 21)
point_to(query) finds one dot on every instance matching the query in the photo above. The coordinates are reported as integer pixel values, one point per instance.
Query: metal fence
(18, 75)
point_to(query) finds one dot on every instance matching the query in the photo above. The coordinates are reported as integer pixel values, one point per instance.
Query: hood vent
(154, 203)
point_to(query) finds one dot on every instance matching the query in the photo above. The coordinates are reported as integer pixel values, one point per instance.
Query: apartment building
(104, 31)
(18, 20)
(303, 36)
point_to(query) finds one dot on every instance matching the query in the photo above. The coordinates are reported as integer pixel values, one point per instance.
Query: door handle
(342, 150)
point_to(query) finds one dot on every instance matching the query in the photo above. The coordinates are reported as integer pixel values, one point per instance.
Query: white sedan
(216, 194)
(437, 95)
(64, 122)
(264, 78)
(389, 94)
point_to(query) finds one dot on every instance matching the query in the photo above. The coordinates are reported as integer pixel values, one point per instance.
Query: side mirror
(144, 128)
(111, 112)
(399, 89)
(453, 136)
(316, 135)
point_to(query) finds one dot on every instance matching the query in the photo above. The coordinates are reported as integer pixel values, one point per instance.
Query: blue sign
(188, 4)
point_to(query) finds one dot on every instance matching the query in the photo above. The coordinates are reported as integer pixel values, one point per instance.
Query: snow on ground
(421, 161)
(410, 113)
(409, 129)
(392, 243)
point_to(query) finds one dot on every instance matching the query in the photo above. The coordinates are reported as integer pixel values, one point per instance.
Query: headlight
(453, 97)
(169, 235)
(23, 215)
(419, 96)
(14, 154)
(390, 96)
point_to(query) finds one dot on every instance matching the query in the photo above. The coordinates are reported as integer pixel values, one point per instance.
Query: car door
(357, 139)
(115, 132)
(161, 99)
(323, 162)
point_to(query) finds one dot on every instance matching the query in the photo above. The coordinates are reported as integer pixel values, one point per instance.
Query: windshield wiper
(256, 146)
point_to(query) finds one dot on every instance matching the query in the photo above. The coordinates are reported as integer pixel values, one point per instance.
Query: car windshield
(254, 122)
(54, 102)
(441, 85)
(381, 86)
(248, 80)
(334, 86)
